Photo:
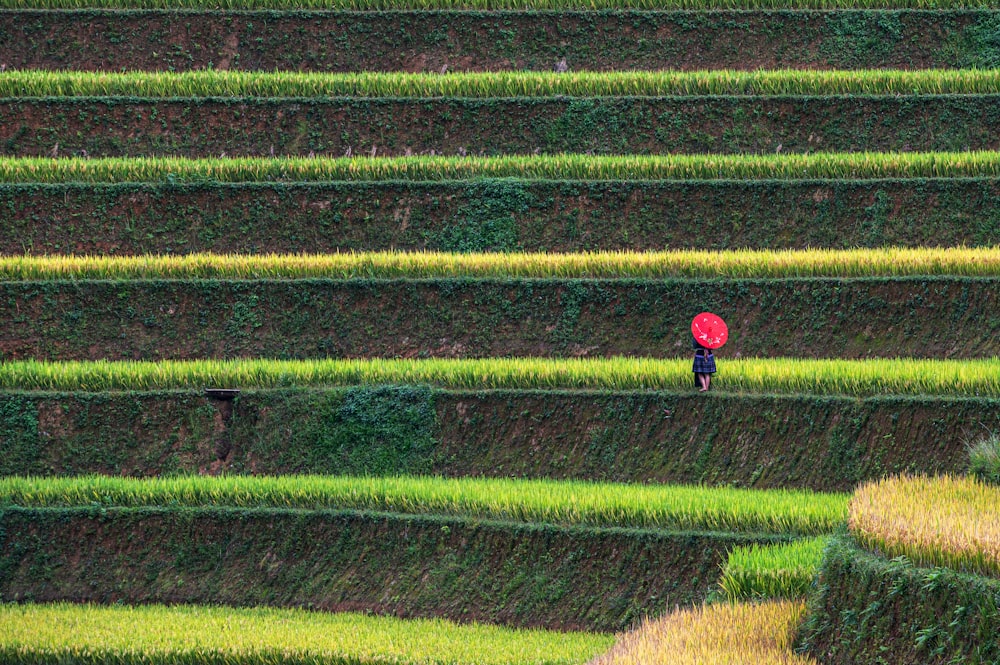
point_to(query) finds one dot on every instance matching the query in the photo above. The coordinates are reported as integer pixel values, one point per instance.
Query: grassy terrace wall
(497, 215)
(313, 318)
(827, 443)
(591, 579)
(871, 610)
(199, 127)
(426, 41)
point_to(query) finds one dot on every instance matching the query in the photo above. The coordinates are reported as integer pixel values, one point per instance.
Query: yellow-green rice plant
(196, 635)
(502, 84)
(568, 503)
(720, 634)
(684, 264)
(826, 166)
(785, 570)
(905, 376)
(944, 521)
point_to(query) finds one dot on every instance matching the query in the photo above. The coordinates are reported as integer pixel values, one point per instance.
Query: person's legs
(702, 382)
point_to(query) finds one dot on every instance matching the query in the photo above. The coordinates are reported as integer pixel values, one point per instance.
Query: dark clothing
(704, 362)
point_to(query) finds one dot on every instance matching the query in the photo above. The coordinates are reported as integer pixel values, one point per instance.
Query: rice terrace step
(235, 113)
(300, 635)
(568, 578)
(472, 318)
(357, 331)
(502, 204)
(822, 443)
(247, 127)
(674, 534)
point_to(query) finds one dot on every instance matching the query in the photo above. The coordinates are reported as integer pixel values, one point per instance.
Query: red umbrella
(710, 331)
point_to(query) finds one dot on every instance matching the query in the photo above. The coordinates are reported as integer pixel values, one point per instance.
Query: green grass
(231, 83)
(772, 571)
(757, 375)
(833, 166)
(984, 459)
(744, 264)
(568, 503)
(196, 635)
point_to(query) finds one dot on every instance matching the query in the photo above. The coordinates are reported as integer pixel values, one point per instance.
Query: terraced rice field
(671, 507)
(738, 264)
(196, 634)
(815, 166)
(716, 634)
(235, 84)
(752, 375)
(948, 521)
(382, 306)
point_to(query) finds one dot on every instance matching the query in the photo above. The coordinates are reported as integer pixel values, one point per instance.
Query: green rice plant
(903, 376)
(582, 167)
(946, 521)
(233, 83)
(197, 635)
(556, 502)
(743, 263)
(719, 634)
(984, 459)
(772, 571)
(381, 5)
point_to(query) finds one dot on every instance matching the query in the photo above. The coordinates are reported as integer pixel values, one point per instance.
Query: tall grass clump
(197, 635)
(784, 570)
(904, 376)
(681, 264)
(823, 166)
(720, 634)
(944, 521)
(509, 84)
(984, 459)
(559, 502)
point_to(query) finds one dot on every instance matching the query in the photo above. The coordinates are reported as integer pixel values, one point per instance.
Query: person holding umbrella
(704, 366)
(708, 332)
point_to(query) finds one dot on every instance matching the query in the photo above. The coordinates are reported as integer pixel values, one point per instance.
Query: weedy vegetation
(984, 459)
(494, 4)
